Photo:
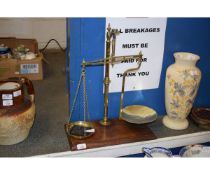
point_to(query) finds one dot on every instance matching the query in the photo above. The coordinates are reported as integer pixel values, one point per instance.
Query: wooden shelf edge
(135, 148)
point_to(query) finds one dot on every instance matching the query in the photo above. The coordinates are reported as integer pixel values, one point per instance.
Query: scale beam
(111, 60)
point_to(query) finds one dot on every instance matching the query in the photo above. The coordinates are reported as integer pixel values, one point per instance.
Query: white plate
(195, 151)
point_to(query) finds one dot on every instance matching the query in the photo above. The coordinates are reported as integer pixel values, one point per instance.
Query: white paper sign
(17, 93)
(7, 96)
(7, 102)
(81, 146)
(138, 34)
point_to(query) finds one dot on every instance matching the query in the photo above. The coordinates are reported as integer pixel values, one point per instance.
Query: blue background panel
(87, 41)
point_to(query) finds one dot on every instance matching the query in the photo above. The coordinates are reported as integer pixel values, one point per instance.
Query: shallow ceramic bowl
(157, 152)
(138, 114)
(201, 116)
(195, 151)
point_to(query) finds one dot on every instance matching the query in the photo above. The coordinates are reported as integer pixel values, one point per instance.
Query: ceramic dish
(157, 152)
(30, 56)
(201, 116)
(138, 114)
(4, 49)
(195, 151)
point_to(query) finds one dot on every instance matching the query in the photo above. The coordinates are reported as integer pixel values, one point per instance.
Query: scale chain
(86, 97)
(84, 101)
(76, 95)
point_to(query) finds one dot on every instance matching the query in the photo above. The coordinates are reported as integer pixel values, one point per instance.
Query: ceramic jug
(16, 110)
(181, 86)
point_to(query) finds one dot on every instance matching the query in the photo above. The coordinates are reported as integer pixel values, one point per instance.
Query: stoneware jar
(16, 110)
(181, 86)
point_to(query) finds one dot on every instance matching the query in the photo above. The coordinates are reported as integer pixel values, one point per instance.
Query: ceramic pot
(181, 86)
(16, 111)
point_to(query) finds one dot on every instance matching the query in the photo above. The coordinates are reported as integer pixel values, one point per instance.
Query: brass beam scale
(111, 59)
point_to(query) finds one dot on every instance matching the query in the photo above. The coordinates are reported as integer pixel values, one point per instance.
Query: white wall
(42, 29)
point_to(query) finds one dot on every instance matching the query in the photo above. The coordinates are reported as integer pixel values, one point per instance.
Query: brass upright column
(105, 120)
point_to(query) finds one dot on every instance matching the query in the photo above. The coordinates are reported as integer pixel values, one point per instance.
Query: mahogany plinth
(119, 132)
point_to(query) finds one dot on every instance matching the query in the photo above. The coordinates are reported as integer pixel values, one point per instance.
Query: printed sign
(29, 68)
(138, 34)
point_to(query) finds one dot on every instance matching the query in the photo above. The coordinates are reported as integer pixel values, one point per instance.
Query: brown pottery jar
(17, 111)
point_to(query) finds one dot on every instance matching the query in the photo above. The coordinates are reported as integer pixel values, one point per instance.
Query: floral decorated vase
(181, 86)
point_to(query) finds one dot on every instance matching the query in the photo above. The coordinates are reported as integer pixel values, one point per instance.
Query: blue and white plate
(157, 152)
(195, 151)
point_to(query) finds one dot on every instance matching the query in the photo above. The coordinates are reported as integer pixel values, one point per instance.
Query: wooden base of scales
(119, 132)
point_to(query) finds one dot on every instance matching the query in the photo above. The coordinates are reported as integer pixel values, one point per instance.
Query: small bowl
(4, 49)
(157, 152)
(30, 56)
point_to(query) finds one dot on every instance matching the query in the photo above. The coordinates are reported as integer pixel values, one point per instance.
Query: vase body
(181, 86)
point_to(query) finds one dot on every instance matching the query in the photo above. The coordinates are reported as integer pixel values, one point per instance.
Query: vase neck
(186, 59)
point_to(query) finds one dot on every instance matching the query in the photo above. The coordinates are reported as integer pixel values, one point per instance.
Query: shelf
(165, 138)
